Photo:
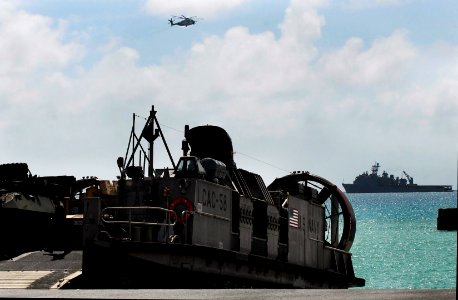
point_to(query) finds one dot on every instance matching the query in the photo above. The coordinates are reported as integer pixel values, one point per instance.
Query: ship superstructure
(385, 183)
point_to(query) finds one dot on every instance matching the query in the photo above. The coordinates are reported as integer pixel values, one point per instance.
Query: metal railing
(341, 261)
(137, 216)
(130, 215)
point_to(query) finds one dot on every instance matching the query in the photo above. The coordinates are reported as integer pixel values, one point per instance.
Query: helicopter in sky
(184, 21)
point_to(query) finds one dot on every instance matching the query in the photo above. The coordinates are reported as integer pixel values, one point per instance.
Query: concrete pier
(40, 275)
(258, 294)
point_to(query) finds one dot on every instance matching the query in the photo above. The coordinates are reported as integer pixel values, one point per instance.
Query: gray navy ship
(374, 183)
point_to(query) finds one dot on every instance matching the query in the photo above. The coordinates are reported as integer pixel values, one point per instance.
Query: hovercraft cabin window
(189, 167)
(186, 165)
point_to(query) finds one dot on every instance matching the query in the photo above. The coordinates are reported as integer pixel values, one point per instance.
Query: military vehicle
(375, 183)
(40, 212)
(29, 211)
(208, 224)
(185, 21)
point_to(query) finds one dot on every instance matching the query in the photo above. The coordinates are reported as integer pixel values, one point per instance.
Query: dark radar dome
(212, 142)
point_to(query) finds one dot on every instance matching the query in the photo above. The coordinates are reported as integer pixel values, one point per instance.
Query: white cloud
(206, 9)
(31, 46)
(302, 25)
(385, 61)
(33, 41)
(281, 99)
(363, 4)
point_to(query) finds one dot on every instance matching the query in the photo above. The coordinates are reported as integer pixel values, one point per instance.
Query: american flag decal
(294, 218)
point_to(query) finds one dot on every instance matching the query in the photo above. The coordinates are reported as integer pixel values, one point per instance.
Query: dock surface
(258, 294)
(39, 270)
(41, 275)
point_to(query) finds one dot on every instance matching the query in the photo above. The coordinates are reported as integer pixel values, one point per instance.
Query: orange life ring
(179, 205)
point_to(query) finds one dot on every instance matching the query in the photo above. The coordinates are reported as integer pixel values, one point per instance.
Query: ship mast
(375, 168)
(151, 131)
(151, 134)
(152, 116)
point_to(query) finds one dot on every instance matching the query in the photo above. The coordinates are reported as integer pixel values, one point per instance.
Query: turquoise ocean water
(397, 245)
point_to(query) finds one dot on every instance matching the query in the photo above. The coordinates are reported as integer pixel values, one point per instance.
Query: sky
(329, 87)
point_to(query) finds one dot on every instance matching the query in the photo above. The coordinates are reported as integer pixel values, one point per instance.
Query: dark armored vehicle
(40, 212)
(207, 223)
(31, 209)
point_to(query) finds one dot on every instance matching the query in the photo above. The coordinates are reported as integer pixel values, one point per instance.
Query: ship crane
(409, 178)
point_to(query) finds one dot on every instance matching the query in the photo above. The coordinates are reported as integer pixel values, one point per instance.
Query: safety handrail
(338, 250)
(207, 215)
(170, 214)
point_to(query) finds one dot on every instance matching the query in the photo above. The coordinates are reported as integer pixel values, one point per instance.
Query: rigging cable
(237, 152)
